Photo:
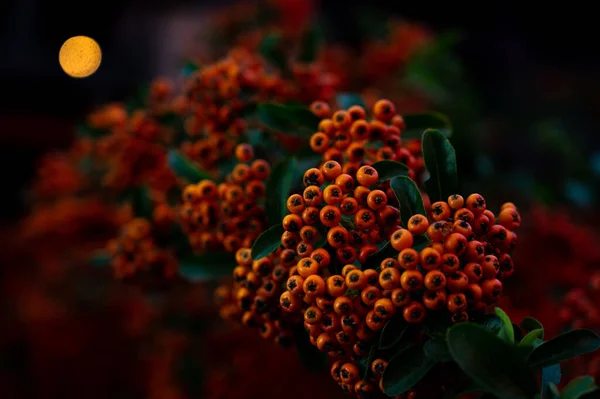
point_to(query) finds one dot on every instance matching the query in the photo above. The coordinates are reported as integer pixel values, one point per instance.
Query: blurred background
(520, 83)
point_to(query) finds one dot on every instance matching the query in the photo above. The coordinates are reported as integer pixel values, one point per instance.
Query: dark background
(526, 61)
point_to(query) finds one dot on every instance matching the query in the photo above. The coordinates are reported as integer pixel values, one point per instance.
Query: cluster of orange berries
(352, 140)
(135, 250)
(231, 214)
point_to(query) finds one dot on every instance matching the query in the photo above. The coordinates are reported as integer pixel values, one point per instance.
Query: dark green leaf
(491, 362)
(267, 242)
(532, 336)
(409, 198)
(392, 332)
(310, 356)
(518, 332)
(292, 120)
(409, 336)
(440, 160)
(420, 242)
(564, 347)
(189, 68)
(278, 187)
(185, 169)
(405, 370)
(85, 130)
(346, 100)
(437, 349)
(100, 259)
(507, 331)
(389, 169)
(552, 391)
(374, 261)
(309, 44)
(530, 324)
(141, 203)
(207, 267)
(550, 375)
(592, 394)
(271, 48)
(492, 322)
(370, 358)
(578, 386)
(416, 124)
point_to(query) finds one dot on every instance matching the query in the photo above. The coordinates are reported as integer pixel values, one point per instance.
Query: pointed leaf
(267, 242)
(409, 198)
(278, 188)
(492, 322)
(405, 370)
(437, 349)
(578, 386)
(370, 358)
(564, 347)
(185, 169)
(532, 336)
(389, 169)
(440, 160)
(271, 49)
(550, 376)
(207, 267)
(530, 324)
(292, 120)
(346, 100)
(507, 331)
(491, 362)
(392, 332)
(416, 124)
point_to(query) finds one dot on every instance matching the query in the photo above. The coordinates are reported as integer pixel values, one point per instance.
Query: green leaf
(492, 322)
(529, 324)
(141, 203)
(370, 358)
(207, 267)
(409, 198)
(552, 391)
(310, 356)
(392, 332)
(416, 124)
(564, 347)
(405, 370)
(389, 169)
(532, 336)
(292, 120)
(578, 386)
(346, 100)
(550, 376)
(189, 68)
(309, 44)
(440, 160)
(278, 186)
(518, 332)
(272, 50)
(100, 259)
(507, 331)
(185, 169)
(374, 261)
(437, 349)
(591, 394)
(494, 364)
(267, 242)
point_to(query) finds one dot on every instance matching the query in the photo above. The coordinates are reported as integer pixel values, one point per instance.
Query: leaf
(518, 332)
(437, 349)
(392, 332)
(100, 259)
(491, 362)
(550, 376)
(141, 203)
(592, 394)
(389, 169)
(507, 331)
(370, 358)
(440, 160)
(532, 336)
(346, 100)
(310, 356)
(309, 44)
(577, 386)
(492, 322)
(267, 242)
(271, 49)
(529, 324)
(374, 261)
(189, 68)
(207, 267)
(183, 168)
(292, 120)
(416, 124)
(409, 198)
(278, 187)
(405, 370)
(564, 347)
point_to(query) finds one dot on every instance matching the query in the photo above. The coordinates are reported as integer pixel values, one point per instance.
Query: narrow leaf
(267, 242)
(532, 336)
(392, 332)
(184, 168)
(409, 198)
(564, 347)
(507, 331)
(405, 370)
(207, 267)
(271, 49)
(440, 160)
(530, 324)
(370, 358)
(278, 188)
(389, 169)
(292, 120)
(416, 124)
(578, 386)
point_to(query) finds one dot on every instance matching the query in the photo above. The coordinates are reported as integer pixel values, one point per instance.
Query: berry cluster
(229, 215)
(352, 140)
(135, 250)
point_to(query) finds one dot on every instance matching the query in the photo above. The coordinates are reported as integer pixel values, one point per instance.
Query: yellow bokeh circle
(80, 56)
